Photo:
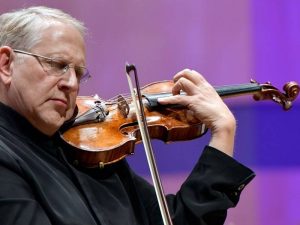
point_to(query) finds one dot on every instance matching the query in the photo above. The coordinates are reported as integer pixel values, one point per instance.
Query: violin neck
(239, 89)
(224, 91)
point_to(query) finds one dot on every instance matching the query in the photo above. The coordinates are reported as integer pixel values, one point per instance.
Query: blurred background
(229, 42)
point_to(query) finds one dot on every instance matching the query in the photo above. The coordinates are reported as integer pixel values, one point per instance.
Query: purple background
(228, 42)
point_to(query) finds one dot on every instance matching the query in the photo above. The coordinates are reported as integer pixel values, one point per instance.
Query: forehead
(62, 40)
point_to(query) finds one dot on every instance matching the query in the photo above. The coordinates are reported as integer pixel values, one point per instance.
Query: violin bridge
(123, 106)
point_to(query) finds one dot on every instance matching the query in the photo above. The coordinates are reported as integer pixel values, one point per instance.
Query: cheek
(36, 95)
(24, 94)
(31, 82)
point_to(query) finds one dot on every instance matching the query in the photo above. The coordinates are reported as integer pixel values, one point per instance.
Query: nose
(69, 80)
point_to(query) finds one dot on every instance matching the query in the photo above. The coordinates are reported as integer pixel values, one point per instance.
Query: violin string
(116, 100)
(117, 96)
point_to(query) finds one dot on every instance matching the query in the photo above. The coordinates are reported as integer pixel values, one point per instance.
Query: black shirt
(39, 186)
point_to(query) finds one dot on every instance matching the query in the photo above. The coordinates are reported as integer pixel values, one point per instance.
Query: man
(42, 61)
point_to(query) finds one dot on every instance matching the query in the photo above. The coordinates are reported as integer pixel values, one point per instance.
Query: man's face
(47, 101)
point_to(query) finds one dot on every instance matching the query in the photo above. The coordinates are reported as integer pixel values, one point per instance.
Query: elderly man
(42, 62)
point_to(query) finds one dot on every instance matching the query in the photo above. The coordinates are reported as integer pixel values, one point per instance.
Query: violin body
(107, 141)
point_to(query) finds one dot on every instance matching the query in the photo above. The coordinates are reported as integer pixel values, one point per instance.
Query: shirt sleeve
(214, 185)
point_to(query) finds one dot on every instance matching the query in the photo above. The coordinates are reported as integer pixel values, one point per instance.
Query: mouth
(60, 102)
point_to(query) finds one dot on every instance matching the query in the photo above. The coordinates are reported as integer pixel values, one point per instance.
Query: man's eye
(59, 65)
(47, 63)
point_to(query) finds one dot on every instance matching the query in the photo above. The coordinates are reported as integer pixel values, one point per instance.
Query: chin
(51, 124)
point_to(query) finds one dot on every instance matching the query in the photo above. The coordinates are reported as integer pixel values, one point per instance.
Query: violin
(104, 132)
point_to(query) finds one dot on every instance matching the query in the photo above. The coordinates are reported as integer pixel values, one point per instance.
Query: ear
(6, 59)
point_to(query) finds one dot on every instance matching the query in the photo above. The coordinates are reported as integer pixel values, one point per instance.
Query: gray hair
(23, 28)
